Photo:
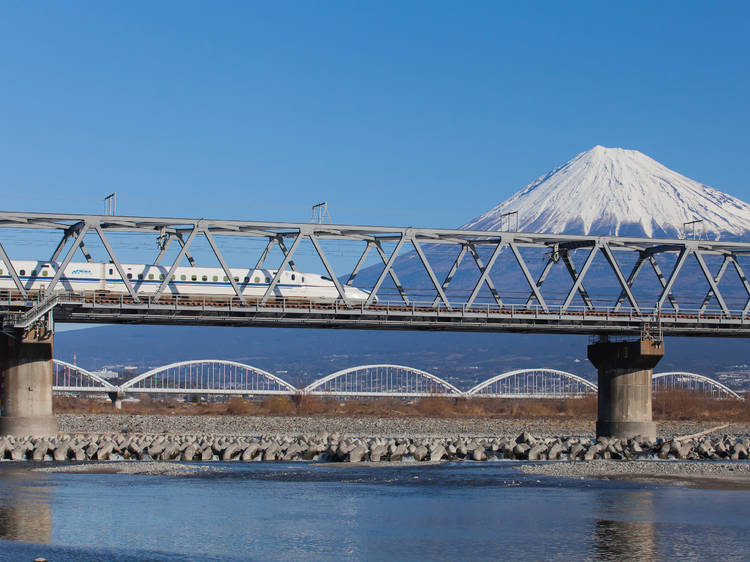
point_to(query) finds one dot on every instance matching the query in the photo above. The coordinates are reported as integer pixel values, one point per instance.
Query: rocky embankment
(335, 447)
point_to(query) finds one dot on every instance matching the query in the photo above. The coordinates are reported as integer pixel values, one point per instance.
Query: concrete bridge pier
(625, 371)
(116, 397)
(26, 377)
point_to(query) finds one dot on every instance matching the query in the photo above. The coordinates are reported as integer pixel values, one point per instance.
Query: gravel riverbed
(366, 427)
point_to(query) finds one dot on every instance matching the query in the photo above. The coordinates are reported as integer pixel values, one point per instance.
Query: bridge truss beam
(534, 313)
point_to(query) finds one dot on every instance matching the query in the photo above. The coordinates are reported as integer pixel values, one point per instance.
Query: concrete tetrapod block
(478, 454)
(420, 453)
(437, 453)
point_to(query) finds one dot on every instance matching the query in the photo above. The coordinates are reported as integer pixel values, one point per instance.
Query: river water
(307, 511)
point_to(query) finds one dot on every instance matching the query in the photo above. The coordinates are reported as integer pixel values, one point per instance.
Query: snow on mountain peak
(615, 191)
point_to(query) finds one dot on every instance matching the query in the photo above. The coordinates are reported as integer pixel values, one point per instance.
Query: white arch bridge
(220, 377)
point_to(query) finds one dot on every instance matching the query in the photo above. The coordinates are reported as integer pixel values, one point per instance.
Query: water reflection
(25, 512)
(625, 528)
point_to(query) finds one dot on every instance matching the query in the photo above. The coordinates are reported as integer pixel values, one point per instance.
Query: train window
(1, 270)
(226, 278)
(22, 272)
(130, 275)
(215, 277)
(292, 276)
(236, 279)
(204, 278)
(182, 277)
(33, 272)
(247, 279)
(44, 273)
(140, 276)
(193, 277)
(303, 279)
(111, 271)
(268, 279)
(150, 275)
(257, 279)
(161, 276)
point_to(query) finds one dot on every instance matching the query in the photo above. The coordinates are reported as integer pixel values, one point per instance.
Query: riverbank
(225, 438)
(705, 475)
(363, 427)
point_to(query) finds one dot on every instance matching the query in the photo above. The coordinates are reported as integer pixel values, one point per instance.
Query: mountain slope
(614, 191)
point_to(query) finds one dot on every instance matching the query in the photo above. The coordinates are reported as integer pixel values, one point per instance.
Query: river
(304, 511)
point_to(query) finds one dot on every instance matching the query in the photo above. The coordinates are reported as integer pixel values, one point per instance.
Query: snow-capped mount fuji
(614, 191)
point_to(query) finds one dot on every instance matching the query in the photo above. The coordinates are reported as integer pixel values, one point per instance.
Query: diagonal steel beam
(84, 251)
(69, 256)
(190, 259)
(392, 273)
(181, 254)
(565, 255)
(329, 269)
(386, 269)
(430, 273)
(609, 255)
(675, 271)
(227, 271)
(578, 278)
(264, 255)
(116, 262)
(12, 271)
(164, 248)
(360, 261)
(717, 279)
(282, 246)
(452, 272)
(61, 244)
(631, 279)
(71, 232)
(287, 258)
(745, 283)
(485, 274)
(554, 257)
(711, 282)
(530, 280)
(488, 280)
(663, 282)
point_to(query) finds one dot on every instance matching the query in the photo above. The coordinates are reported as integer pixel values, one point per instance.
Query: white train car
(146, 279)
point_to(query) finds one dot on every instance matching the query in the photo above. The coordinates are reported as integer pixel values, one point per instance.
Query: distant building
(106, 373)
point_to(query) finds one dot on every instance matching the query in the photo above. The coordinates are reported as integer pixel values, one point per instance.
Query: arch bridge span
(382, 380)
(221, 377)
(67, 377)
(680, 380)
(211, 376)
(541, 383)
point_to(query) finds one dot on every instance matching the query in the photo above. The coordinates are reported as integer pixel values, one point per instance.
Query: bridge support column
(625, 371)
(116, 397)
(26, 377)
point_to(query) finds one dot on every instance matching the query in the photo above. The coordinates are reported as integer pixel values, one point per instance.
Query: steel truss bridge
(582, 307)
(217, 377)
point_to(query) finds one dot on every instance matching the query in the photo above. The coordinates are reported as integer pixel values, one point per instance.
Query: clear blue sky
(407, 113)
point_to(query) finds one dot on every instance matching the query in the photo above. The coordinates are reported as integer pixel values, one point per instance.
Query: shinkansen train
(94, 276)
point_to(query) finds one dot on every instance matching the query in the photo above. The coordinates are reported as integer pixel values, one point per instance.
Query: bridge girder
(640, 309)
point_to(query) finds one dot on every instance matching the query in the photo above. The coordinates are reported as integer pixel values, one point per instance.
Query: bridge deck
(112, 308)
